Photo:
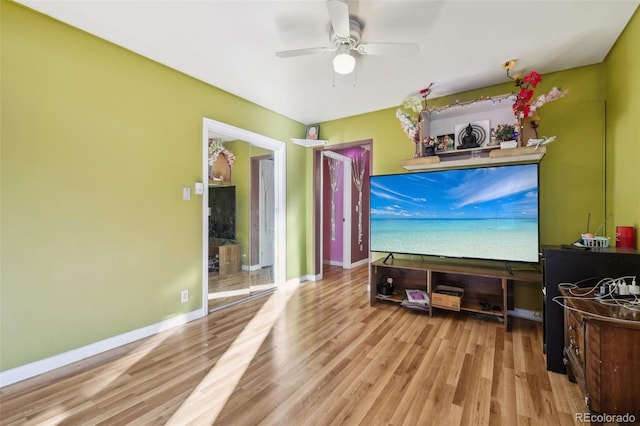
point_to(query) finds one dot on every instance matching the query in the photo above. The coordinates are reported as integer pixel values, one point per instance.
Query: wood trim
(523, 155)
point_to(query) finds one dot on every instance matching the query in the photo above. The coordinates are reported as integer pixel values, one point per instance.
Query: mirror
(244, 255)
(261, 217)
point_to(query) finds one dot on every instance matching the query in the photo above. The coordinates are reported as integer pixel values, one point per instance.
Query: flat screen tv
(480, 213)
(222, 214)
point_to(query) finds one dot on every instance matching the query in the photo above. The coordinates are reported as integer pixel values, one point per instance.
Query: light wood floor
(237, 286)
(315, 355)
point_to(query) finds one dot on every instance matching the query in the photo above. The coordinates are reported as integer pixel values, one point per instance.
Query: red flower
(426, 91)
(523, 109)
(525, 95)
(532, 79)
(521, 106)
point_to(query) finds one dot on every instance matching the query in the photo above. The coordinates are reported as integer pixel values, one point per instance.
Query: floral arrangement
(413, 104)
(504, 132)
(524, 106)
(216, 147)
(408, 123)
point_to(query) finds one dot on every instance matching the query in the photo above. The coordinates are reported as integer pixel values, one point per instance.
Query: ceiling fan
(345, 36)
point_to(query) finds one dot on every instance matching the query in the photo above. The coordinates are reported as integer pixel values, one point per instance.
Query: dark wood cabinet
(584, 268)
(602, 352)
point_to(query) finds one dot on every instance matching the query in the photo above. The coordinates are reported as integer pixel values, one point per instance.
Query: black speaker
(385, 286)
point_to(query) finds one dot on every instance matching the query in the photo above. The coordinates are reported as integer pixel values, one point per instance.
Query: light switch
(199, 188)
(186, 193)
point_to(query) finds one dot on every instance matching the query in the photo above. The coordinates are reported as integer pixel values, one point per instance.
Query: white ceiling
(231, 44)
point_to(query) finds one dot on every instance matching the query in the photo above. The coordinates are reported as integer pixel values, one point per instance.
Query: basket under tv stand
(488, 282)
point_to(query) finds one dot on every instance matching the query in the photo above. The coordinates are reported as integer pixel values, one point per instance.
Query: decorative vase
(418, 147)
(527, 129)
(520, 131)
(534, 126)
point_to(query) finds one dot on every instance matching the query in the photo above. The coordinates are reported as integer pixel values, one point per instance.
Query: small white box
(508, 144)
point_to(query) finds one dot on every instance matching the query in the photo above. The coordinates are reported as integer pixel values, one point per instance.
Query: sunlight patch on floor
(232, 293)
(208, 399)
(255, 288)
(108, 374)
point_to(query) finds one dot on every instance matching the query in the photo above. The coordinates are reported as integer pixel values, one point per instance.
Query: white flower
(413, 103)
(409, 126)
(554, 93)
(216, 146)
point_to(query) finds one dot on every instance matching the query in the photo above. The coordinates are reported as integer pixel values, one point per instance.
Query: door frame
(318, 187)
(229, 132)
(346, 206)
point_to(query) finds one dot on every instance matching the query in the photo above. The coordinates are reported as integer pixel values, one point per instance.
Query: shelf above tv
(309, 143)
(524, 155)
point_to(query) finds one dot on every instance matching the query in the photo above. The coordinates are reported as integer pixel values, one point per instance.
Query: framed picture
(472, 135)
(313, 132)
(445, 143)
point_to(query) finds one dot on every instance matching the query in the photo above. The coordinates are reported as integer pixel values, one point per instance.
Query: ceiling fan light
(344, 63)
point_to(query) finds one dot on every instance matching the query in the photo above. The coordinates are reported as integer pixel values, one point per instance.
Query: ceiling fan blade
(390, 49)
(339, 14)
(303, 52)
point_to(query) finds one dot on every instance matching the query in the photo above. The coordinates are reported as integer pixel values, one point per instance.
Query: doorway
(356, 223)
(336, 243)
(243, 278)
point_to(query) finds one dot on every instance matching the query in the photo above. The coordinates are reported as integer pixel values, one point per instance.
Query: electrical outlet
(186, 193)
(184, 296)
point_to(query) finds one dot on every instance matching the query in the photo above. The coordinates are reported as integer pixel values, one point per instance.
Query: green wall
(97, 142)
(572, 173)
(96, 145)
(623, 143)
(576, 120)
(591, 169)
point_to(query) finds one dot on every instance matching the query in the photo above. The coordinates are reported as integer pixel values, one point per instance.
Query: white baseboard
(360, 262)
(247, 268)
(526, 314)
(334, 263)
(33, 369)
(349, 266)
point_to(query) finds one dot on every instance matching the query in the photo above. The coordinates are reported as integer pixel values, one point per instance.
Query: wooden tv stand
(489, 282)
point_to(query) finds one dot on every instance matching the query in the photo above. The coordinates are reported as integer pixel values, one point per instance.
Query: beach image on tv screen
(484, 213)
